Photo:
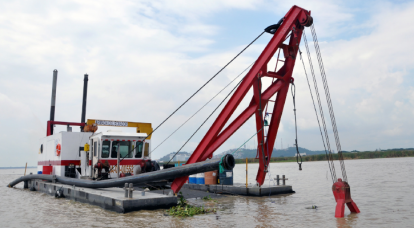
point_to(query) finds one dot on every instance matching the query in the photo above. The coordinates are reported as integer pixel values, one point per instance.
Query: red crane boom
(293, 23)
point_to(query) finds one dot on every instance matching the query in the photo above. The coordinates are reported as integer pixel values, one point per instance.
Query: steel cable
(193, 95)
(328, 98)
(205, 121)
(317, 118)
(293, 91)
(200, 108)
(328, 146)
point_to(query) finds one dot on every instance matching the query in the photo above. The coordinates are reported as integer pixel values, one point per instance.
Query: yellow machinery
(141, 127)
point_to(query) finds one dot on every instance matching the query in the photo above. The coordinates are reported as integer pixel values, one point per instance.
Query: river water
(382, 189)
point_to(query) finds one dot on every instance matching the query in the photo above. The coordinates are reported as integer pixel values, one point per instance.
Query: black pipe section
(171, 173)
(53, 102)
(85, 92)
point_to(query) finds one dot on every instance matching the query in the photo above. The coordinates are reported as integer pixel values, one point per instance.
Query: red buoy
(342, 194)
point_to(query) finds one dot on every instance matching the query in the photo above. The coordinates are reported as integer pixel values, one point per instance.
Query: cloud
(12, 109)
(145, 58)
(367, 76)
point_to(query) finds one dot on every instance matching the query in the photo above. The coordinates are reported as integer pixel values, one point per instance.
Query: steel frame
(294, 22)
(50, 124)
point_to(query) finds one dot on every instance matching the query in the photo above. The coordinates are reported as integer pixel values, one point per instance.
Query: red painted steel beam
(272, 133)
(293, 21)
(233, 127)
(48, 128)
(67, 123)
(241, 119)
(273, 75)
(51, 123)
(257, 90)
(287, 69)
(271, 90)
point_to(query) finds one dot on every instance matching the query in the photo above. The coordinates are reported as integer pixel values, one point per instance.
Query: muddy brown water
(382, 189)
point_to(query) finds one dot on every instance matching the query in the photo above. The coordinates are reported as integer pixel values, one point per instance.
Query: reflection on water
(382, 189)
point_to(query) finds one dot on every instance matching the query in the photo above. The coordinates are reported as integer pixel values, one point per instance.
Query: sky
(145, 58)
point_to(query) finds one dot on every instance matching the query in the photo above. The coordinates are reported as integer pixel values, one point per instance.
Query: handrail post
(247, 185)
(118, 160)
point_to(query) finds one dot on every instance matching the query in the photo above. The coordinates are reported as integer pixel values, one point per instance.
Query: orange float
(58, 148)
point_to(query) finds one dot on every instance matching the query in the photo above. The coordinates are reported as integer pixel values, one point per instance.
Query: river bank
(346, 155)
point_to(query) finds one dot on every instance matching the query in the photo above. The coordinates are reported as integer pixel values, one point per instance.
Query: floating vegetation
(188, 211)
(208, 198)
(183, 209)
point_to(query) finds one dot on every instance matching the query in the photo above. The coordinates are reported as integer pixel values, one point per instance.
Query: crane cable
(141, 142)
(328, 99)
(205, 121)
(201, 108)
(325, 145)
(293, 90)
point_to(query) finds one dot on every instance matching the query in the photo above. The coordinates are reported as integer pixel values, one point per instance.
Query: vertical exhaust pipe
(53, 102)
(85, 93)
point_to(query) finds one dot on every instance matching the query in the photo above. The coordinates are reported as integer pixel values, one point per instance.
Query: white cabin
(64, 154)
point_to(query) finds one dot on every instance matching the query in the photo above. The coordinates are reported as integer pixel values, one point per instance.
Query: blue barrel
(226, 177)
(39, 172)
(200, 178)
(192, 179)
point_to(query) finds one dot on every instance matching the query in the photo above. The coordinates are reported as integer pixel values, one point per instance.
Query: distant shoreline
(317, 157)
(346, 156)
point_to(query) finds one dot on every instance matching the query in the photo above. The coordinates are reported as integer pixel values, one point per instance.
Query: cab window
(94, 149)
(105, 149)
(138, 150)
(124, 149)
(146, 150)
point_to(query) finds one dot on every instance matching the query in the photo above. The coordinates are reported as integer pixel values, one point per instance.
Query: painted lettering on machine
(122, 169)
(111, 123)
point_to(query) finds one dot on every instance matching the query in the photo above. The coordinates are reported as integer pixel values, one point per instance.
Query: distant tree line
(347, 156)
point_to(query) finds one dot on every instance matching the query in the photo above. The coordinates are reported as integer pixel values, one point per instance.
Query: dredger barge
(90, 167)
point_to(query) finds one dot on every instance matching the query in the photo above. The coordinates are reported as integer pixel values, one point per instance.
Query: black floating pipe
(53, 102)
(85, 94)
(171, 173)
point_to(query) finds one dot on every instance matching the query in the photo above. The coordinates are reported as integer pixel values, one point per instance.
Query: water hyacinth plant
(183, 209)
